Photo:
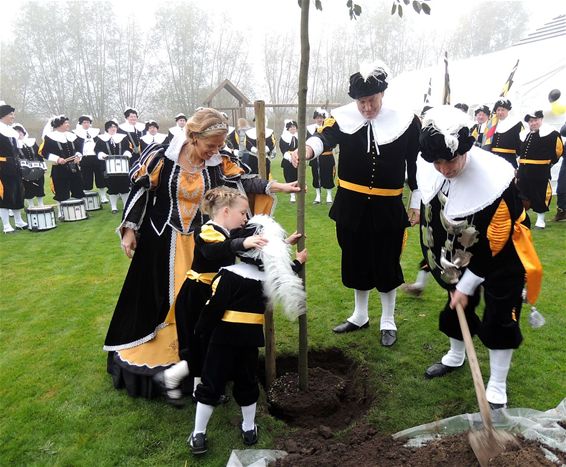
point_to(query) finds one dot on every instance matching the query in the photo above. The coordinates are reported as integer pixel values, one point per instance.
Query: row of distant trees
(75, 57)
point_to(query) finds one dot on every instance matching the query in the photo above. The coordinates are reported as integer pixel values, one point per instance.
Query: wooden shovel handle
(475, 369)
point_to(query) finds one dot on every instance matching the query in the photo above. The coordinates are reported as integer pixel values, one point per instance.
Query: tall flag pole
(509, 81)
(491, 125)
(446, 97)
(428, 93)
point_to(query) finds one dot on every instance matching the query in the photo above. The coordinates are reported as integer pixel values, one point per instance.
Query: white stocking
(388, 310)
(18, 218)
(456, 355)
(317, 197)
(248, 415)
(499, 364)
(113, 202)
(202, 416)
(5, 216)
(175, 374)
(360, 315)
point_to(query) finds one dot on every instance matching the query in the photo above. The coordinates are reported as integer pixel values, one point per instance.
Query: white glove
(254, 149)
(287, 156)
(128, 154)
(102, 155)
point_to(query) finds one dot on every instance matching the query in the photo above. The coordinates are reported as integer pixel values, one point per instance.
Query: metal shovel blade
(488, 444)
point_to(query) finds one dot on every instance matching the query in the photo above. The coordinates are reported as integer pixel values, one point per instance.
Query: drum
(41, 218)
(34, 171)
(92, 201)
(73, 210)
(117, 165)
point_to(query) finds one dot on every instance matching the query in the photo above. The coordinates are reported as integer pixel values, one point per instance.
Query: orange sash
(524, 247)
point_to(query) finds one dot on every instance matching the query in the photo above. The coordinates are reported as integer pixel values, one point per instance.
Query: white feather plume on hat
(281, 284)
(375, 68)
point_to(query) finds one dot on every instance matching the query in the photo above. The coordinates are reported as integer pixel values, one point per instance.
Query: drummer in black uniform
(152, 135)
(505, 141)
(249, 157)
(64, 149)
(134, 131)
(12, 194)
(33, 177)
(287, 144)
(377, 144)
(323, 166)
(178, 129)
(92, 169)
(113, 143)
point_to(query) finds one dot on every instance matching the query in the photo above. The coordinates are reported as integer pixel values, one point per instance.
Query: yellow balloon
(558, 108)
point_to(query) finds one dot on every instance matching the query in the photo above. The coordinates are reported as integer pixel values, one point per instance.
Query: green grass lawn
(58, 291)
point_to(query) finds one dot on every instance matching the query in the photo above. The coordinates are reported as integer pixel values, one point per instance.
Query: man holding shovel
(474, 232)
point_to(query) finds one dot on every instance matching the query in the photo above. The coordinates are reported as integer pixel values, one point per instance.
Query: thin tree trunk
(269, 327)
(303, 81)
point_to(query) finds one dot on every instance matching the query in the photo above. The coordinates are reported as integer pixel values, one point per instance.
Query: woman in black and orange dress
(141, 339)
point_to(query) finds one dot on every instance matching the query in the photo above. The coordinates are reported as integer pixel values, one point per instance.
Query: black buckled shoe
(198, 444)
(388, 337)
(346, 326)
(250, 437)
(439, 369)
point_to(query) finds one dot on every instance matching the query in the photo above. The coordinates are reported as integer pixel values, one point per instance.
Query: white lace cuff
(469, 283)
(316, 145)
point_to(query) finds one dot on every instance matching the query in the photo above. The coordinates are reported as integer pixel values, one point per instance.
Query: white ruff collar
(251, 133)
(132, 128)
(81, 132)
(312, 128)
(8, 131)
(61, 137)
(29, 142)
(288, 137)
(158, 138)
(117, 138)
(387, 126)
(507, 124)
(247, 271)
(543, 131)
(483, 179)
(175, 146)
(176, 130)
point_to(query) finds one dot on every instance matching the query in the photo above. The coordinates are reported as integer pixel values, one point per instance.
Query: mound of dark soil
(364, 446)
(338, 395)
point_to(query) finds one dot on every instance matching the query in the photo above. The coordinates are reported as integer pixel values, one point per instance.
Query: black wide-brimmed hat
(534, 114)
(129, 111)
(56, 122)
(84, 118)
(445, 134)
(291, 123)
(484, 109)
(370, 80)
(505, 103)
(5, 109)
(111, 123)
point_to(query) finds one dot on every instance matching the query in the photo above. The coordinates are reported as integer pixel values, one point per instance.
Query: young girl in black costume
(227, 209)
(232, 324)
